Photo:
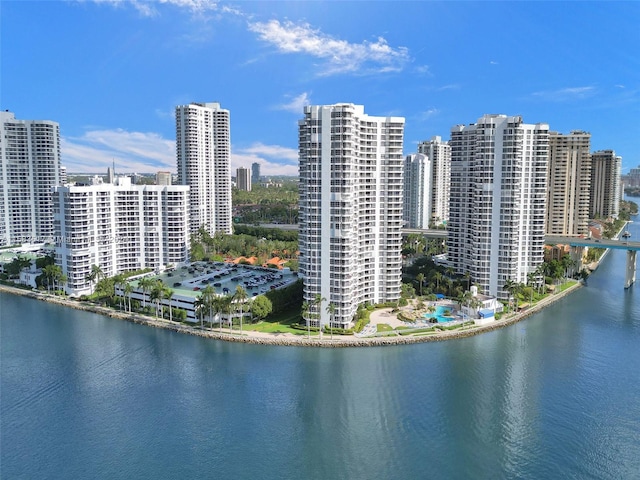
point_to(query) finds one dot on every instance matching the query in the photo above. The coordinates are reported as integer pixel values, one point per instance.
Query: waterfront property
(29, 168)
(350, 210)
(187, 282)
(625, 243)
(497, 209)
(120, 228)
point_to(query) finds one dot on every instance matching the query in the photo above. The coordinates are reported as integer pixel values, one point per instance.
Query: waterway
(554, 396)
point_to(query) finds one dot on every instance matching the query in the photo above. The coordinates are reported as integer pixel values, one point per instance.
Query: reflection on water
(557, 394)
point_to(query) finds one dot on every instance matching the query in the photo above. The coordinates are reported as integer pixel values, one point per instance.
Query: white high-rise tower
(29, 168)
(498, 193)
(426, 184)
(203, 146)
(350, 210)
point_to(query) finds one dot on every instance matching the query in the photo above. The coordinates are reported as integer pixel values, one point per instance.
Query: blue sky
(112, 72)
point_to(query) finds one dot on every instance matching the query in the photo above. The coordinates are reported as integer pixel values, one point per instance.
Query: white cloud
(138, 152)
(424, 70)
(147, 8)
(428, 113)
(451, 86)
(564, 94)
(296, 104)
(131, 151)
(493, 62)
(340, 55)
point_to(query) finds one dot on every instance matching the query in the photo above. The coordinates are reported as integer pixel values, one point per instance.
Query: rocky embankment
(287, 339)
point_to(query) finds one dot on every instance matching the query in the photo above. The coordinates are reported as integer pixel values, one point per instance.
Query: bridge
(631, 247)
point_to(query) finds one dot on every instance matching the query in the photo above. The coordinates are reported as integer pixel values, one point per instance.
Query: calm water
(555, 396)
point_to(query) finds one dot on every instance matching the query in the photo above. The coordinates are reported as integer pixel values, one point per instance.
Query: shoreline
(287, 339)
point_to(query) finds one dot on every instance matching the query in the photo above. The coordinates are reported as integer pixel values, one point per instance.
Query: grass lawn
(562, 287)
(279, 324)
(384, 327)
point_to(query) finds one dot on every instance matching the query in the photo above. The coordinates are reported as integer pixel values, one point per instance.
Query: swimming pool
(440, 314)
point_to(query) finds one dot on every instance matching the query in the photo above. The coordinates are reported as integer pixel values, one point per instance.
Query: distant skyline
(112, 72)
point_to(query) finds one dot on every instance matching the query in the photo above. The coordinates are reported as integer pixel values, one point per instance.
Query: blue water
(439, 314)
(555, 396)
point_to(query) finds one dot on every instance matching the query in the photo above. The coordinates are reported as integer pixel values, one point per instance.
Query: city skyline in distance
(111, 73)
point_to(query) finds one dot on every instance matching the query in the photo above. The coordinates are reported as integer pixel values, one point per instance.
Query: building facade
(119, 227)
(417, 207)
(243, 179)
(439, 153)
(29, 168)
(569, 181)
(203, 147)
(496, 224)
(606, 191)
(350, 210)
(163, 178)
(255, 173)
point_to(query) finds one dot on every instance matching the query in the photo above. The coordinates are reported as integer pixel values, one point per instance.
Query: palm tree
(317, 307)
(510, 287)
(63, 280)
(438, 276)
(157, 294)
(128, 290)
(50, 273)
(208, 298)
(241, 297)
(145, 284)
(306, 308)
(118, 282)
(168, 294)
(225, 307)
(420, 279)
(95, 275)
(331, 309)
(199, 307)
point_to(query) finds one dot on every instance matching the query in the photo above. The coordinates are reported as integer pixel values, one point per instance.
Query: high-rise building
(568, 183)
(633, 179)
(426, 184)
(496, 224)
(119, 227)
(416, 211)
(243, 179)
(350, 210)
(255, 173)
(30, 167)
(163, 178)
(63, 176)
(606, 192)
(203, 146)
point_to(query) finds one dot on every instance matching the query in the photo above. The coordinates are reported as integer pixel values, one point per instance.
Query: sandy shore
(288, 339)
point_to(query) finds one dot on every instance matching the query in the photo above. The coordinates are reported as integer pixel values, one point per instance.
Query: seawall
(289, 339)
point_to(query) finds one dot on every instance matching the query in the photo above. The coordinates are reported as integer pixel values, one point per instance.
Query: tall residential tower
(350, 210)
(29, 168)
(203, 146)
(427, 176)
(568, 183)
(498, 190)
(606, 191)
(243, 179)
